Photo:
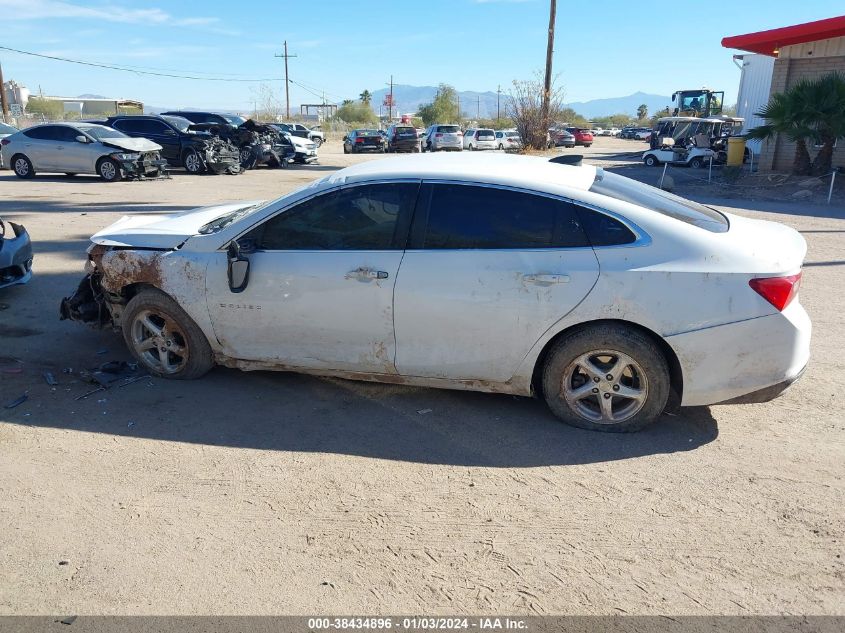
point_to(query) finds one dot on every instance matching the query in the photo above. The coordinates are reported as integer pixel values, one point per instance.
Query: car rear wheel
(22, 166)
(109, 170)
(163, 338)
(696, 163)
(651, 161)
(606, 378)
(191, 161)
(345, 149)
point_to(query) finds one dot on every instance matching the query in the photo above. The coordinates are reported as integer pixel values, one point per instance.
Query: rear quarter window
(629, 190)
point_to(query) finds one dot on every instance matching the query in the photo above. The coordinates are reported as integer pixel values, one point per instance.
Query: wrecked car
(82, 148)
(258, 144)
(197, 152)
(609, 298)
(15, 254)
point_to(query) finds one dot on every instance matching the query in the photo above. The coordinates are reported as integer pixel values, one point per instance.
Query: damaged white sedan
(609, 298)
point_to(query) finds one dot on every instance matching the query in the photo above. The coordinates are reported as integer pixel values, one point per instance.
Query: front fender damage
(115, 274)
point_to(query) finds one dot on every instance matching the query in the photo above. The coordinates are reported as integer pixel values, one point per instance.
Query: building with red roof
(801, 51)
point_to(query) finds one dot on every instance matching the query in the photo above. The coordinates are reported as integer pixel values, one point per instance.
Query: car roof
(530, 172)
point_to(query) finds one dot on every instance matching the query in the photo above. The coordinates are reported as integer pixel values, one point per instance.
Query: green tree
(365, 97)
(642, 112)
(347, 102)
(45, 107)
(787, 113)
(568, 116)
(826, 117)
(444, 108)
(356, 112)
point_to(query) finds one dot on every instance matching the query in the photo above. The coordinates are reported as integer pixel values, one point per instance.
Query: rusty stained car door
(320, 289)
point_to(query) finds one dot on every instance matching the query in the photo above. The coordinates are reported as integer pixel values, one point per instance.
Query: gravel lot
(254, 493)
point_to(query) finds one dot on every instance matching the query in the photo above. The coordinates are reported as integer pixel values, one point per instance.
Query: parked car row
(435, 138)
(145, 146)
(637, 133)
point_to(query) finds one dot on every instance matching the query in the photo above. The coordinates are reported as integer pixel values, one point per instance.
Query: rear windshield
(448, 129)
(367, 132)
(406, 130)
(628, 190)
(486, 132)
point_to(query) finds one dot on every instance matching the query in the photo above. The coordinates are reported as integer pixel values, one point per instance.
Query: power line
(136, 71)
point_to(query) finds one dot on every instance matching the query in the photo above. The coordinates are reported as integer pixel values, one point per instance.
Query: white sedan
(498, 273)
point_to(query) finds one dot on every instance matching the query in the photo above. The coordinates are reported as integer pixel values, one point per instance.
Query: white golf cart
(689, 156)
(676, 135)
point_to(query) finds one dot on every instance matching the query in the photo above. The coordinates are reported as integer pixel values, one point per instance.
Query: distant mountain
(620, 105)
(483, 104)
(89, 96)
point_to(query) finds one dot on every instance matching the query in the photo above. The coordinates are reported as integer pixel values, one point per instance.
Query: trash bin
(736, 150)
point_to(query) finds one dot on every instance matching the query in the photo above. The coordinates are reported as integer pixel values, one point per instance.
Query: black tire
(109, 170)
(180, 333)
(22, 166)
(345, 149)
(696, 163)
(587, 144)
(192, 162)
(651, 161)
(564, 365)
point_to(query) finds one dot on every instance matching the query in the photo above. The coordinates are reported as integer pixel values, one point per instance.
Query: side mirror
(81, 139)
(238, 268)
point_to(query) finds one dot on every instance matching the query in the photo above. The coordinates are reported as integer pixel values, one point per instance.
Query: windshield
(178, 122)
(234, 119)
(7, 129)
(218, 224)
(629, 190)
(101, 132)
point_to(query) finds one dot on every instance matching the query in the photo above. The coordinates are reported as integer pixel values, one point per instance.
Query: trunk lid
(166, 230)
(765, 248)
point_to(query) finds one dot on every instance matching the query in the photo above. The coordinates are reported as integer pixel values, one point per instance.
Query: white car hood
(164, 231)
(132, 144)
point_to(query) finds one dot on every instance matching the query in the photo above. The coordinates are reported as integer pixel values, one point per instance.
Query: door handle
(546, 279)
(365, 274)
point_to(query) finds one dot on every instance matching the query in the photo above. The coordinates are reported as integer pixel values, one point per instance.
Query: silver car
(443, 137)
(5, 130)
(82, 148)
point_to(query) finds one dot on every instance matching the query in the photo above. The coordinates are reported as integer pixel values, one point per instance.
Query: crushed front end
(220, 156)
(15, 254)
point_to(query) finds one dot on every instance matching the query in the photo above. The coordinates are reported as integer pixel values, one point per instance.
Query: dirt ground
(260, 493)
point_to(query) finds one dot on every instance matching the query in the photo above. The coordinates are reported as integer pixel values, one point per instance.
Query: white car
(82, 148)
(5, 130)
(499, 273)
(480, 138)
(508, 139)
(643, 135)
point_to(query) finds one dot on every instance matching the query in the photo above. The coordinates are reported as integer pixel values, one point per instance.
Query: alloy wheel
(605, 386)
(159, 341)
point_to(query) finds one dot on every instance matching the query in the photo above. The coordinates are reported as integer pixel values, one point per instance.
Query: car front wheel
(22, 166)
(163, 338)
(109, 170)
(650, 161)
(606, 378)
(192, 162)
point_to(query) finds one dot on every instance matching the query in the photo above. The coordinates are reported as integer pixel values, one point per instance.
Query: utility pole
(287, 82)
(498, 95)
(390, 105)
(477, 107)
(547, 85)
(4, 105)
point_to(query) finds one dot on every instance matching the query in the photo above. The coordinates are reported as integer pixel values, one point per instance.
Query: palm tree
(366, 97)
(642, 112)
(787, 114)
(826, 116)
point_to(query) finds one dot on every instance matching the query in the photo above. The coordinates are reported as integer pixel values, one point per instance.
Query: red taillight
(5, 141)
(779, 291)
(359, 140)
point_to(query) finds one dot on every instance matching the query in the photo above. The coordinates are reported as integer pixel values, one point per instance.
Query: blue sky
(606, 49)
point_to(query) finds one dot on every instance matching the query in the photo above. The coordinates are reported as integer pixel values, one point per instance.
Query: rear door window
(663, 202)
(458, 216)
(44, 133)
